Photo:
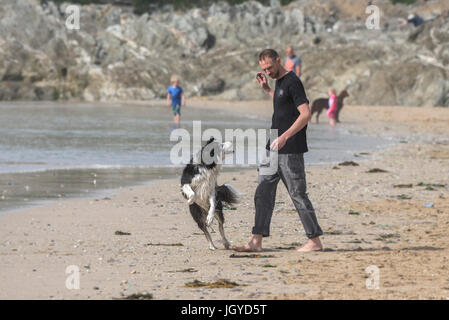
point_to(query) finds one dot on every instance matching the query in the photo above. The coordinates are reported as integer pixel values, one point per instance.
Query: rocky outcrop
(117, 55)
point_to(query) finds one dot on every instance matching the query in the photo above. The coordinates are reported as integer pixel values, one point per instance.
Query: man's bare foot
(313, 244)
(247, 248)
(254, 245)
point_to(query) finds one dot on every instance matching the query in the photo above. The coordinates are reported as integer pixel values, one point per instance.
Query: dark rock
(348, 163)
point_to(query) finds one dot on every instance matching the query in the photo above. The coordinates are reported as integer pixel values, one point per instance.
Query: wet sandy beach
(390, 213)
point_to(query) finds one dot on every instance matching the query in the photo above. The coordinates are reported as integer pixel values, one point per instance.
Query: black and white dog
(199, 187)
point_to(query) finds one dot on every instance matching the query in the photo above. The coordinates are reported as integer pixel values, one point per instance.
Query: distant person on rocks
(333, 107)
(292, 62)
(415, 19)
(175, 98)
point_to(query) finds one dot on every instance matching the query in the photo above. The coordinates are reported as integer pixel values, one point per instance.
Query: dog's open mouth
(227, 147)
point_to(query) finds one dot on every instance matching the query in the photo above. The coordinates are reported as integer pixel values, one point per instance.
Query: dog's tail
(227, 194)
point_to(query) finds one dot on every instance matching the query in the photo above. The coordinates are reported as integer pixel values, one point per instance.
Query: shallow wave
(54, 167)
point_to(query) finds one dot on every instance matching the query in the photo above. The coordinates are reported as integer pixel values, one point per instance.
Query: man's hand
(262, 80)
(278, 143)
(303, 119)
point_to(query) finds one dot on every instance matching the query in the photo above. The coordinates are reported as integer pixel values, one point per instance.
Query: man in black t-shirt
(285, 154)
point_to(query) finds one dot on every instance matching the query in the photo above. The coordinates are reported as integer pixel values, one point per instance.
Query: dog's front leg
(211, 213)
(187, 190)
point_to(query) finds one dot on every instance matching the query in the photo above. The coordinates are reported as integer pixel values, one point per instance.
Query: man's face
(270, 67)
(289, 52)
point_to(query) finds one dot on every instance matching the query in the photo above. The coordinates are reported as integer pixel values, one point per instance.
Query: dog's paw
(210, 219)
(212, 247)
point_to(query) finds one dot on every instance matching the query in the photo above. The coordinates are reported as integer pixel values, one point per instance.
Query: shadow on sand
(360, 249)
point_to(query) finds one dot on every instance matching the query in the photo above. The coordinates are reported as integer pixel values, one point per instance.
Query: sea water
(54, 150)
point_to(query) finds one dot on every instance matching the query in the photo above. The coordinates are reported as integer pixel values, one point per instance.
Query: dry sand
(390, 228)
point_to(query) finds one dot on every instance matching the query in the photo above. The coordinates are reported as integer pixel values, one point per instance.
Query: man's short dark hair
(268, 53)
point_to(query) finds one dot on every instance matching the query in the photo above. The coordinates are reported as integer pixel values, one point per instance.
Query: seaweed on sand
(257, 256)
(409, 185)
(165, 244)
(139, 296)
(184, 270)
(387, 236)
(376, 170)
(348, 163)
(121, 233)
(222, 283)
(436, 185)
(339, 232)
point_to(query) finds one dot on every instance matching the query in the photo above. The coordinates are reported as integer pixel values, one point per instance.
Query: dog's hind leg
(209, 238)
(337, 114)
(220, 218)
(203, 228)
(198, 215)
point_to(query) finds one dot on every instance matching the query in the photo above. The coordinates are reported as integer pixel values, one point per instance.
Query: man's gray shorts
(289, 168)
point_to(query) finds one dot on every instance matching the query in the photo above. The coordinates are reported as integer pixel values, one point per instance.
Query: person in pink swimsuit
(333, 105)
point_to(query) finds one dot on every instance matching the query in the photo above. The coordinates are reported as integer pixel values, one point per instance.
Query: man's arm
(298, 70)
(298, 125)
(403, 23)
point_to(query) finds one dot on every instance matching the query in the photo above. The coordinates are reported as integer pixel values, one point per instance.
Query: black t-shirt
(289, 94)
